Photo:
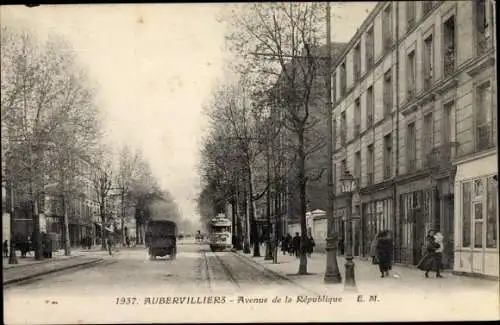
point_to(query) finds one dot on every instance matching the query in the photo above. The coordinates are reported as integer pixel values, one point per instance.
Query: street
(196, 270)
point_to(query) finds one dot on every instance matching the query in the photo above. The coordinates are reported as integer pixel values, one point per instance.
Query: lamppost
(332, 273)
(348, 184)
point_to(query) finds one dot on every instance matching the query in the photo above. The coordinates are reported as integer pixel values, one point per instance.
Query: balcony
(449, 62)
(387, 171)
(369, 178)
(369, 121)
(387, 43)
(484, 137)
(441, 156)
(369, 61)
(483, 44)
(428, 80)
(357, 129)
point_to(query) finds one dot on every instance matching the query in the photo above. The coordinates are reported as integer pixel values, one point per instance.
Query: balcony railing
(483, 44)
(387, 42)
(484, 137)
(369, 121)
(357, 129)
(449, 61)
(428, 80)
(441, 156)
(369, 61)
(369, 178)
(387, 171)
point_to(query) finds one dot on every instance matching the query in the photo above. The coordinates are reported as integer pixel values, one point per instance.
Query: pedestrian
(286, 243)
(341, 245)
(127, 240)
(5, 248)
(373, 249)
(296, 245)
(108, 242)
(431, 261)
(384, 252)
(310, 245)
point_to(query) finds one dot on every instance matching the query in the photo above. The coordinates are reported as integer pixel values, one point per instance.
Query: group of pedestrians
(382, 248)
(291, 245)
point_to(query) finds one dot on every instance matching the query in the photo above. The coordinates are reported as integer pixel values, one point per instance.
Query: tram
(221, 235)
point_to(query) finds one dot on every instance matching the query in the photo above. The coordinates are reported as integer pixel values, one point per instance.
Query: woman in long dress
(384, 252)
(432, 259)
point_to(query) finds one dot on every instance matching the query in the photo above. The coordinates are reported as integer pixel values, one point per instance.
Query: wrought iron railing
(441, 156)
(449, 61)
(484, 137)
(483, 44)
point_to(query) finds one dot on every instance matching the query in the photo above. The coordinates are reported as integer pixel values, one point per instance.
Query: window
(466, 214)
(387, 27)
(484, 124)
(369, 48)
(357, 62)
(491, 214)
(426, 7)
(342, 79)
(388, 156)
(369, 164)
(334, 88)
(334, 132)
(343, 130)
(369, 107)
(446, 131)
(357, 117)
(343, 167)
(427, 138)
(387, 93)
(449, 46)
(478, 225)
(411, 75)
(357, 165)
(410, 14)
(428, 61)
(483, 37)
(411, 147)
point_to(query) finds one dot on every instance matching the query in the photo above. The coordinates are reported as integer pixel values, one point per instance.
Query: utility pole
(332, 273)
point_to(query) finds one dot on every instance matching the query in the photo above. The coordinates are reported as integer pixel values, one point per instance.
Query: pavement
(28, 267)
(367, 276)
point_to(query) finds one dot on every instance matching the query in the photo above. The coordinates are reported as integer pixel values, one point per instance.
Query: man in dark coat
(296, 244)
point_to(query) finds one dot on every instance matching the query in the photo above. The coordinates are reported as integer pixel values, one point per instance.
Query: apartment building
(415, 122)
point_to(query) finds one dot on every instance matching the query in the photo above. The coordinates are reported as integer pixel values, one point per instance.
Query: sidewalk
(402, 279)
(28, 267)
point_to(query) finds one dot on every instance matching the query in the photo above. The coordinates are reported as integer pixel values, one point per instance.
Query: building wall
(433, 184)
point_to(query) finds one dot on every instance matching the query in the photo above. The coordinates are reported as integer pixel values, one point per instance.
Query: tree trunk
(254, 235)
(246, 243)
(67, 246)
(303, 203)
(103, 221)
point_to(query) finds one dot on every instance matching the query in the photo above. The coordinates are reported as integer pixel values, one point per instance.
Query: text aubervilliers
(200, 300)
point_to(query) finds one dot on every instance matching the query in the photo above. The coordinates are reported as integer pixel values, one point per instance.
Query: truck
(161, 238)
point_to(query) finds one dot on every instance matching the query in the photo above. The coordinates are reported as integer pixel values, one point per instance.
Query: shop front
(476, 225)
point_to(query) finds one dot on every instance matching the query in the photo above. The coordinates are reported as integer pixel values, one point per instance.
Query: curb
(29, 277)
(45, 260)
(277, 274)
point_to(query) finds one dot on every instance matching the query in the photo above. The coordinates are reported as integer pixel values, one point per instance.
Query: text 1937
(126, 300)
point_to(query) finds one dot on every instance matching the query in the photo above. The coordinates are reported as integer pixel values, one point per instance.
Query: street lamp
(348, 186)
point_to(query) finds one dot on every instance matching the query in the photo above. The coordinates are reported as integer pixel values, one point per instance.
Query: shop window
(478, 225)
(466, 211)
(492, 215)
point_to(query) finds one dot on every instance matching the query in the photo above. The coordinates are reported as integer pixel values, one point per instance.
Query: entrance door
(477, 238)
(447, 222)
(418, 236)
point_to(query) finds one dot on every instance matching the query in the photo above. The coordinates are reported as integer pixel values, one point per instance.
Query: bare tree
(47, 112)
(276, 42)
(102, 183)
(125, 177)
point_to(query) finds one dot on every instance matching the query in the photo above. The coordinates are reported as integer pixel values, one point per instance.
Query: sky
(155, 66)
